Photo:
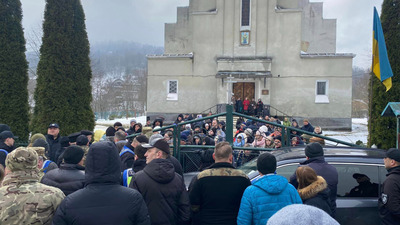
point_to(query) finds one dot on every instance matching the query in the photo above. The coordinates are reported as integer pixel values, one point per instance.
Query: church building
(280, 51)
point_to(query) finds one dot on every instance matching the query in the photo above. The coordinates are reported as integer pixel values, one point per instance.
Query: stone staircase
(235, 118)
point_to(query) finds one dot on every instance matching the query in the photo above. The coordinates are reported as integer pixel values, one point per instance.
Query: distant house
(281, 51)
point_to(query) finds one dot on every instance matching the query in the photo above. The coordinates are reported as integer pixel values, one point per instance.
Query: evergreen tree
(13, 70)
(63, 91)
(382, 130)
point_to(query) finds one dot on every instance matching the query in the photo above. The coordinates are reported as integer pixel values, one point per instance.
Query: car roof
(329, 152)
(296, 155)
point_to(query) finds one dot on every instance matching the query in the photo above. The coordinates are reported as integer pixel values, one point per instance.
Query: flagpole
(370, 109)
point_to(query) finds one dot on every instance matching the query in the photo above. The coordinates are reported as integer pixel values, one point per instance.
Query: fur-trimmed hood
(313, 189)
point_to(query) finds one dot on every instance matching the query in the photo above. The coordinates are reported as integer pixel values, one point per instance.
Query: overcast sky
(143, 21)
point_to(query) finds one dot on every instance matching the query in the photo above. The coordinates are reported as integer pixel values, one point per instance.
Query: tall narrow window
(245, 13)
(321, 91)
(172, 90)
(173, 87)
(321, 88)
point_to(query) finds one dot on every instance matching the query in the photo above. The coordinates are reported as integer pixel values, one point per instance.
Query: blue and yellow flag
(380, 61)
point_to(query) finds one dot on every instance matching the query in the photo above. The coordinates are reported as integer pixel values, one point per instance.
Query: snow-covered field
(359, 132)
(103, 124)
(359, 128)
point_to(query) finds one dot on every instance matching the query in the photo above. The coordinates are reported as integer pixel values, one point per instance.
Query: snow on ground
(359, 132)
(359, 128)
(102, 124)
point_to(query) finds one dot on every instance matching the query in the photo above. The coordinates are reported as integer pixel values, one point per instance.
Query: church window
(245, 15)
(172, 90)
(321, 91)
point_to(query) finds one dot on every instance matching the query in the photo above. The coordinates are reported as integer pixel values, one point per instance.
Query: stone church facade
(281, 51)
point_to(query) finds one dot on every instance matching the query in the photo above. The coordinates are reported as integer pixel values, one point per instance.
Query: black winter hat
(73, 154)
(278, 137)
(82, 140)
(110, 131)
(41, 143)
(4, 127)
(120, 128)
(72, 137)
(117, 124)
(394, 154)
(142, 139)
(314, 150)
(266, 163)
(64, 142)
(86, 132)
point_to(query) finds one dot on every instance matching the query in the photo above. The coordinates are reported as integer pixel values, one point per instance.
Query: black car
(354, 206)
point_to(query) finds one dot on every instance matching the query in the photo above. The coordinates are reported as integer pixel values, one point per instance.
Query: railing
(282, 114)
(186, 153)
(218, 108)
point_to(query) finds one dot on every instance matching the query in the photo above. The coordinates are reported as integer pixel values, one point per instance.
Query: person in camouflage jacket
(23, 200)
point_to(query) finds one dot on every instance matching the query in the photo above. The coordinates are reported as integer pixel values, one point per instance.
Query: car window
(382, 175)
(354, 180)
(287, 170)
(357, 180)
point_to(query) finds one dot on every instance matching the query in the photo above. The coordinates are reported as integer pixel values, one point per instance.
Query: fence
(189, 155)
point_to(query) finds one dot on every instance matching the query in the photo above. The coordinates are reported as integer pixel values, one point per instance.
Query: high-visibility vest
(45, 165)
(125, 150)
(127, 177)
(2, 150)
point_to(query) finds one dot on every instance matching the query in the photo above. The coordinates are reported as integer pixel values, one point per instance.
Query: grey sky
(143, 21)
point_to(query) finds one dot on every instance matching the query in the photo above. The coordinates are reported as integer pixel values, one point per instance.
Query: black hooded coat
(103, 200)
(164, 192)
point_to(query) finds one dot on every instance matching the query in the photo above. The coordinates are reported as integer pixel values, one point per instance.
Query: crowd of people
(95, 178)
(249, 133)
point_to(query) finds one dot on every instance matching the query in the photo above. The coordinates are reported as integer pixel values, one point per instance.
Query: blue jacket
(237, 144)
(264, 198)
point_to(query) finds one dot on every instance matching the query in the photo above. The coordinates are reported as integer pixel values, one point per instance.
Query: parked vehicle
(361, 174)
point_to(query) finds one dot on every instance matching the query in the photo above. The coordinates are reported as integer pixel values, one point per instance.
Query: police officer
(389, 202)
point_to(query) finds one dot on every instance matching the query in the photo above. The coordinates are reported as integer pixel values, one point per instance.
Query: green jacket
(23, 200)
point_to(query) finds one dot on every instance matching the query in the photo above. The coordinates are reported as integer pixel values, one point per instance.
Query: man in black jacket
(315, 159)
(162, 189)
(70, 177)
(103, 200)
(131, 127)
(54, 140)
(6, 145)
(216, 192)
(389, 202)
(307, 126)
(138, 165)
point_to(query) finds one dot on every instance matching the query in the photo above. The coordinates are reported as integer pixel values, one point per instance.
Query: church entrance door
(244, 89)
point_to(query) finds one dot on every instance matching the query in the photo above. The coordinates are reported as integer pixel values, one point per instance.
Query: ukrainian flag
(380, 61)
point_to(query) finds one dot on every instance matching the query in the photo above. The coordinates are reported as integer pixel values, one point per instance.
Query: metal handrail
(233, 147)
(277, 110)
(296, 129)
(208, 110)
(217, 109)
(286, 133)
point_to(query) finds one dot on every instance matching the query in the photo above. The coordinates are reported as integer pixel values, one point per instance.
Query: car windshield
(249, 167)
